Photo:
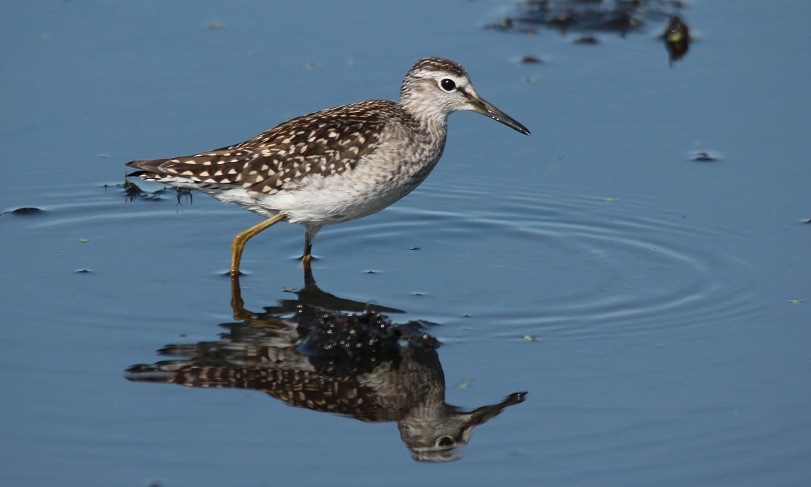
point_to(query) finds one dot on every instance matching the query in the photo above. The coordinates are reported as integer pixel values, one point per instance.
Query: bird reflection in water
(329, 354)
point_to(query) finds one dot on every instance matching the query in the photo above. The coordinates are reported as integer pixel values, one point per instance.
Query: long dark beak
(481, 106)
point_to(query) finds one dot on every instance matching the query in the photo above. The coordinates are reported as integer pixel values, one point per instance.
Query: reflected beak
(481, 106)
(486, 413)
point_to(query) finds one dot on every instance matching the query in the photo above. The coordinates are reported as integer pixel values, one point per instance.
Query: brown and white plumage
(335, 165)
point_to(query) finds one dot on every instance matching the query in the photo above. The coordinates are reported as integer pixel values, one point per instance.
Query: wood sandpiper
(335, 165)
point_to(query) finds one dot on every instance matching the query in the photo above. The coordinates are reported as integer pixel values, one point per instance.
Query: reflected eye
(447, 84)
(445, 441)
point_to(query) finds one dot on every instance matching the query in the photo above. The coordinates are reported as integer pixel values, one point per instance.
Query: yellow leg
(243, 237)
(237, 305)
(309, 235)
(242, 314)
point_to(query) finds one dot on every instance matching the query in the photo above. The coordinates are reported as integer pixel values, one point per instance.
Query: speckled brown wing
(324, 143)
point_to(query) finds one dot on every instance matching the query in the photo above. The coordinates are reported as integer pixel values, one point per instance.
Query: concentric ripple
(511, 263)
(492, 261)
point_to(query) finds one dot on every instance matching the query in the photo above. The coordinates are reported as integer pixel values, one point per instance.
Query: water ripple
(552, 264)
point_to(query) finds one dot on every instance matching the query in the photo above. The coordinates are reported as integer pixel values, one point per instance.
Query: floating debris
(84, 271)
(84, 240)
(132, 191)
(215, 25)
(586, 40)
(26, 210)
(796, 301)
(529, 79)
(463, 383)
(504, 24)
(184, 194)
(611, 199)
(528, 338)
(677, 39)
(703, 156)
(529, 60)
(621, 16)
(310, 66)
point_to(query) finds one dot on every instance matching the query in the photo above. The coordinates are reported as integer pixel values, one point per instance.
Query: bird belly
(319, 200)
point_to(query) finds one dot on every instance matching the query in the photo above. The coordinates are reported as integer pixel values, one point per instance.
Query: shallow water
(655, 308)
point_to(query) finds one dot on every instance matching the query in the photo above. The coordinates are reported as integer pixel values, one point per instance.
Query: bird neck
(430, 119)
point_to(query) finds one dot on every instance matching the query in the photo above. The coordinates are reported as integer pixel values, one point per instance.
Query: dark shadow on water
(334, 355)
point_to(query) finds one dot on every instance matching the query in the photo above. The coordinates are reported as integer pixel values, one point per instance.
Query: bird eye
(447, 84)
(445, 441)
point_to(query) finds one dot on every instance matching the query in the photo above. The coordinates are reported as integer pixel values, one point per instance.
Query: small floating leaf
(796, 301)
(84, 240)
(528, 338)
(310, 66)
(611, 199)
(463, 383)
(215, 25)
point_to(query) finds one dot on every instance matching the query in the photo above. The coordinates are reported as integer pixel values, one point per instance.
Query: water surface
(655, 308)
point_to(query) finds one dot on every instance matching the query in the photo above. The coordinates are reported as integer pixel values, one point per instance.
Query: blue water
(656, 309)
